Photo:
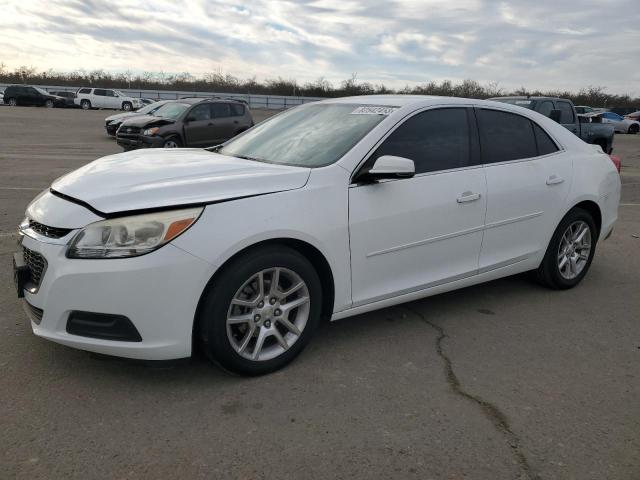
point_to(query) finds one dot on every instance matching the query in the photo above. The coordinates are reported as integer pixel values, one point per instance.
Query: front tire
(260, 311)
(172, 142)
(570, 251)
(127, 107)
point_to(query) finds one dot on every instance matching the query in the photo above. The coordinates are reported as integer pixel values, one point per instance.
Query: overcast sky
(544, 44)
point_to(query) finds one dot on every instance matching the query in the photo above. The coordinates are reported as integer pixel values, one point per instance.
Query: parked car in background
(191, 122)
(619, 123)
(562, 111)
(633, 116)
(328, 210)
(69, 97)
(582, 109)
(114, 121)
(26, 95)
(105, 98)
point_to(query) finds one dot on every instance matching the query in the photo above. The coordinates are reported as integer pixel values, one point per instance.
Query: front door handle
(468, 197)
(554, 180)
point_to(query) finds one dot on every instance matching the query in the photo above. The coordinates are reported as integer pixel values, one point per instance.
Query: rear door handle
(468, 197)
(554, 180)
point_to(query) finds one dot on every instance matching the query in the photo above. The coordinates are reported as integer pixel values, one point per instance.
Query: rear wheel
(570, 251)
(85, 104)
(633, 129)
(261, 311)
(13, 102)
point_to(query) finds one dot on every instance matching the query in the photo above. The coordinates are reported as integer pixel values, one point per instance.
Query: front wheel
(261, 311)
(171, 142)
(570, 251)
(126, 106)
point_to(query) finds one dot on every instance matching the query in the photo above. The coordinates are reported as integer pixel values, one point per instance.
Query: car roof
(525, 97)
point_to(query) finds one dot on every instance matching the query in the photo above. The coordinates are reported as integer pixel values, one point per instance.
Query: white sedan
(328, 210)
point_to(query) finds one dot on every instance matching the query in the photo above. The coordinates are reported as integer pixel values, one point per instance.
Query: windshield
(307, 136)
(149, 108)
(516, 101)
(171, 110)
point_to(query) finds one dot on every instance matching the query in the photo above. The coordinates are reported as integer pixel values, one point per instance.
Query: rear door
(111, 100)
(528, 180)
(99, 98)
(410, 234)
(198, 126)
(224, 124)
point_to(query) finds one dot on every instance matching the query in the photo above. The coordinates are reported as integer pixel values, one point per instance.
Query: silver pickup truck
(562, 111)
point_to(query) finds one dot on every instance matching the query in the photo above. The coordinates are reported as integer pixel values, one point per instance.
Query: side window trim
(372, 150)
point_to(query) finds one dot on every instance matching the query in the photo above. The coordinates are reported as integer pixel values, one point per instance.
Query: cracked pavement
(505, 380)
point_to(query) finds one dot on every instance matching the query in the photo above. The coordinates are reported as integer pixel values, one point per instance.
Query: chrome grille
(51, 232)
(36, 263)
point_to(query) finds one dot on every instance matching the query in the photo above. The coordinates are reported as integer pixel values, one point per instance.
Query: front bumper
(139, 141)
(158, 292)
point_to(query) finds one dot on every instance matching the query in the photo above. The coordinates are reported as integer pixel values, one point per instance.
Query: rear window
(237, 110)
(505, 136)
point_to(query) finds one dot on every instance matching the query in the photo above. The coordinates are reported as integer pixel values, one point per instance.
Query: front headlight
(131, 236)
(151, 131)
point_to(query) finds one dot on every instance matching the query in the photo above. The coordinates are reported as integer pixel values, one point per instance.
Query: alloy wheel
(574, 249)
(268, 314)
(170, 144)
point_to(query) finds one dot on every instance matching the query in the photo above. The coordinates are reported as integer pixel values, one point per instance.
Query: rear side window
(220, 110)
(544, 142)
(85, 90)
(434, 140)
(566, 113)
(505, 136)
(237, 110)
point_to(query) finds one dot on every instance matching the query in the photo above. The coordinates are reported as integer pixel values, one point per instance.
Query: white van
(103, 98)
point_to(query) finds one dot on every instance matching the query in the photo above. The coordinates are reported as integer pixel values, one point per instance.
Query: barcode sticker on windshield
(374, 110)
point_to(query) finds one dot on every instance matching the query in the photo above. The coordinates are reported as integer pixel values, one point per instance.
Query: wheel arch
(594, 210)
(309, 251)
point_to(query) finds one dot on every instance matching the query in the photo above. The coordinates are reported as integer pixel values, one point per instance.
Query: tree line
(595, 96)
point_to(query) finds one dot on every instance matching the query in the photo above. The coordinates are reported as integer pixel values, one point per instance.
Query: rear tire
(48, 104)
(13, 102)
(570, 251)
(85, 104)
(633, 129)
(269, 330)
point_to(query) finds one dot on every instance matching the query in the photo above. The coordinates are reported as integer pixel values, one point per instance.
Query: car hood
(121, 116)
(144, 120)
(147, 179)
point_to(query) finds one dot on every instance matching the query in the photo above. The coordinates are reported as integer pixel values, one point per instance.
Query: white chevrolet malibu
(327, 210)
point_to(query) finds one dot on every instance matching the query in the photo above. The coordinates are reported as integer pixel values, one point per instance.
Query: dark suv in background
(25, 95)
(189, 122)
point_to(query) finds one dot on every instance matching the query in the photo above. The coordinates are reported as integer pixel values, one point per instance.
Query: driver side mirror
(389, 166)
(555, 115)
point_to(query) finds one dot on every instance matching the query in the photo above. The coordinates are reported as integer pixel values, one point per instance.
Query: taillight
(616, 161)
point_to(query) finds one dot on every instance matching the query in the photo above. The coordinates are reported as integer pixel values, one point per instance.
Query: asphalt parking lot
(505, 380)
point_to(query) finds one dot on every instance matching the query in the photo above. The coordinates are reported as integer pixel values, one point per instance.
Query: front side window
(109, 93)
(505, 136)
(313, 135)
(566, 113)
(100, 92)
(200, 112)
(434, 140)
(171, 110)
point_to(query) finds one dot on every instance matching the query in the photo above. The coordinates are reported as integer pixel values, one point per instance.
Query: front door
(198, 128)
(415, 233)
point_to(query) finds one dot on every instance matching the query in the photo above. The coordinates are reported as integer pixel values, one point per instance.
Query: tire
(13, 102)
(633, 129)
(127, 107)
(223, 341)
(48, 104)
(172, 142)
(85, 104)
(562, 248)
